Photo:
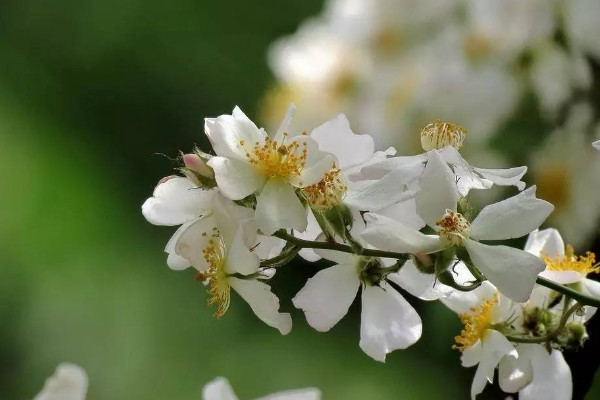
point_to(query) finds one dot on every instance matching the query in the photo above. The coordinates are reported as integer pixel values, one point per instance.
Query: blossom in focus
(388, 321)
(69, 382)
(223, 247)
(248, 162)
(220, 389)
(512, 270)
(483, 311)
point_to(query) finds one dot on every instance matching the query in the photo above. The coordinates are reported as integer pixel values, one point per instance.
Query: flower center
(328, 192)
(570, 262)
(476, 321)
(454, 228)
(215, 276)
(438, 135)
(274, 159)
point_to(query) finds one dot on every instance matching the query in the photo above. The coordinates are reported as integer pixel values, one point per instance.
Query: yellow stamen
(455, 228)
(476, 321)
(438, 135)
(570, 262)
(215, 276)
(274, 159)
(328, 192)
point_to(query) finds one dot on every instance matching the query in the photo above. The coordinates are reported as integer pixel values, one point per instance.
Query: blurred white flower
(69, 382)
(565, 170)
(220, 389)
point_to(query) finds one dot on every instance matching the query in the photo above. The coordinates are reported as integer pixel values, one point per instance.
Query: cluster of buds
(380, 222)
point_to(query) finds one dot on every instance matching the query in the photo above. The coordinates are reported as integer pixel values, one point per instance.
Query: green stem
(567, 291)
(308, 244)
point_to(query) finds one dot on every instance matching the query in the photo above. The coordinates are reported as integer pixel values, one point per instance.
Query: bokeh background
(96, 100)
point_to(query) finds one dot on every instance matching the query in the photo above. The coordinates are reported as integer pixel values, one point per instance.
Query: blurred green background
(90, 93)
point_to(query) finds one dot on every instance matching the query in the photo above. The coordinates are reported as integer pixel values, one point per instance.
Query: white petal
(438, 190)
(511, 218)
(190, 239)
(69, 382)
(176, 201)
(236, 179)
(268, 247)
(387, 234)
(297, 394)
(404, 212)
(551, 377)
(494, 347)
(284, 127)
(504, 177)
(471, 355)
(562, 277)
(326, 297)
(226, 132)
(313, 230)
(387, 323)
(545, 242)
(374, 195)
(239, 258)
(278, 207)
(462, 302)
(514, 373)
(513, 271)
(313, 174)
(409, 165)
(336, 137)
(590, 288)
(423, 286)
(230, 217)
(218, 389)
(263, 302)
(596, 144)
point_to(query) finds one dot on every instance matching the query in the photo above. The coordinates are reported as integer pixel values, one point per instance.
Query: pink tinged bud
(195, 163)
(166, 178)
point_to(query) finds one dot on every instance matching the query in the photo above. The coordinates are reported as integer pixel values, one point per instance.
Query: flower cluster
(394, 65)
(385, 225)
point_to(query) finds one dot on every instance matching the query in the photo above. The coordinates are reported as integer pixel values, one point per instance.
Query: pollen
(328, 192)
(438, 135)
(570, 262)
(476, 321)
(454, 228)
(215, 276)
(275, 159)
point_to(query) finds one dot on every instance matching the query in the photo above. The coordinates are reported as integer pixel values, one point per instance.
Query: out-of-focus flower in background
(393, 66)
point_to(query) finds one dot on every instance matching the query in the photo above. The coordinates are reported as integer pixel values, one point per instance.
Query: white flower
(388, 321)
(176, 200)
(218, 246)
(220, 389)
(467, 176)
(481, 311)
(596, 144)
(69, 382)
(512, 270)
(250, 162)
(536, 373)
(563, 266)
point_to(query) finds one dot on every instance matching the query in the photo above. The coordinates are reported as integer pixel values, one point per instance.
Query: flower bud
(194, 163)
(576, 334)
(438, 135)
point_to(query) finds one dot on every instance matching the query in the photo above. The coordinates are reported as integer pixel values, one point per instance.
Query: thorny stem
(309, 244)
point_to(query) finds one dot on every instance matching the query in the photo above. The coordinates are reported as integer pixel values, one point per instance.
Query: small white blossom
(220, 389)
(69, 382)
